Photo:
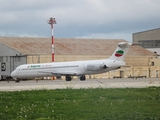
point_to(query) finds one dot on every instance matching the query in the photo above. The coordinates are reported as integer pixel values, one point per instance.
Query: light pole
(52, 21)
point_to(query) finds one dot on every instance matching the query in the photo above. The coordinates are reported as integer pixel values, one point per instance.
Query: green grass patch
(81, 104)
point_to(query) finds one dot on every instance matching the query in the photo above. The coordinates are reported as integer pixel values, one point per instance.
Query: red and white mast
(51, 22)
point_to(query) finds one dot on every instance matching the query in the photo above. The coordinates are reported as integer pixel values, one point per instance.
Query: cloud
(94, 18)
(124, 36)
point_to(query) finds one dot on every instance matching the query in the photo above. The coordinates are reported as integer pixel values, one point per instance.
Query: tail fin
(121, 51)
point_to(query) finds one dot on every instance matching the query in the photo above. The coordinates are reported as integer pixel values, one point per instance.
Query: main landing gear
(69, 78)
(83, 78)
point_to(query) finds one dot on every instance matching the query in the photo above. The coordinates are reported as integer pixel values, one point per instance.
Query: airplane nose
(13, 74)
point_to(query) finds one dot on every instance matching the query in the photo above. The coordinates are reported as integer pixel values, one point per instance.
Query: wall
(10, 63)
(7, 51)
(147, 35)
(156, 61)
(33, 59)
(137, 60)
(153, 72)
(136, 65)
(62, 58)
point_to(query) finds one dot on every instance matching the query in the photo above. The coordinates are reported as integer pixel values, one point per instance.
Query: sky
(103, 19)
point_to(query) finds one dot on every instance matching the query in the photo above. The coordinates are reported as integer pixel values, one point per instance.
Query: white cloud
(106, 11)
(125, 36)
(87, 17)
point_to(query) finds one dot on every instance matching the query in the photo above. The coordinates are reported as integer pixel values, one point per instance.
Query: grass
(81, 104)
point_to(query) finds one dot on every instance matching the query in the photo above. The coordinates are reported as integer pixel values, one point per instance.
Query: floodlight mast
(52, 21)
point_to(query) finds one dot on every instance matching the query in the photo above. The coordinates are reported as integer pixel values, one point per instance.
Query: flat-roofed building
(149, 39)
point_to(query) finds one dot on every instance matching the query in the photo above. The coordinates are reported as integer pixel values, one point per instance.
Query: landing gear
(83, 78)
(68, 78)
(17, 80)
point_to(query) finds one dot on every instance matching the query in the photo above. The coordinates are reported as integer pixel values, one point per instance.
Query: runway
(77, 84)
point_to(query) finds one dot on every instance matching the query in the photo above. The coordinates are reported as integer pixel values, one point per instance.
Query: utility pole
(52, 21)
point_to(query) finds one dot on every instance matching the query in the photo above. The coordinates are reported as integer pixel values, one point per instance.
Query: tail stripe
(119, 53)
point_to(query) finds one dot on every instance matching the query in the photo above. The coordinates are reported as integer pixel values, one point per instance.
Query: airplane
(74, 68)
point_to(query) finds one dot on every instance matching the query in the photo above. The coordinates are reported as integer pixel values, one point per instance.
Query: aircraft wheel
(17, 80)
(68, 78)
(83, 78)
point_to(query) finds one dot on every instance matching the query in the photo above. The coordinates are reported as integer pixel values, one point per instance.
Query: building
(149, 39)
(15, 51)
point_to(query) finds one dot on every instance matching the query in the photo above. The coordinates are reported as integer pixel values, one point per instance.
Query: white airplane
(74, 68)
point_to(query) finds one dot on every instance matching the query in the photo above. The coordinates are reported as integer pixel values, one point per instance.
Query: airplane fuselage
(76, 68)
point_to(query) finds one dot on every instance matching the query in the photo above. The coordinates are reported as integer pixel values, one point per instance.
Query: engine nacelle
(94, 67)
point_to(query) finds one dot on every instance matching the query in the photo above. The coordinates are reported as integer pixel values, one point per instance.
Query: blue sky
(108, 19)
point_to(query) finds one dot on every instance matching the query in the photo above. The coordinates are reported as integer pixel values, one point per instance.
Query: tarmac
(77, 84)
